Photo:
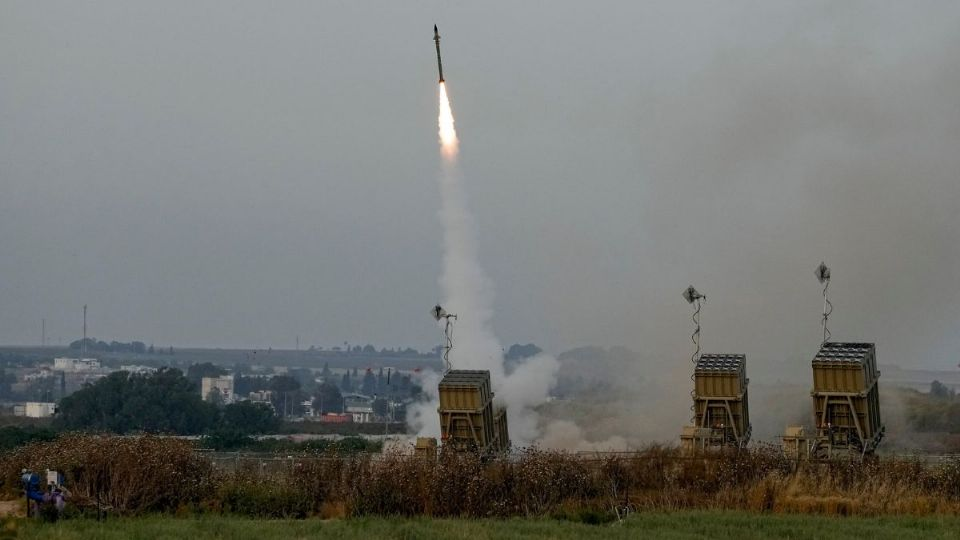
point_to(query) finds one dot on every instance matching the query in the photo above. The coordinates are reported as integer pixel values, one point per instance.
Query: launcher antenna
(823, 275)
(693, 296)
(448, 318)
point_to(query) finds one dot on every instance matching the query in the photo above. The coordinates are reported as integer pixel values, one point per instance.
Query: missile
(436, 39)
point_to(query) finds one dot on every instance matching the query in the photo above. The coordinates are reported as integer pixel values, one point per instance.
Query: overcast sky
(239, 173)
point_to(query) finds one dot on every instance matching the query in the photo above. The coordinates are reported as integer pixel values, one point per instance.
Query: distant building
(141, 370)
(359, 407)
(262, 396)
(307, 407)
(35, 409)
(361, 414)
(222, 385)
(43, 373)
(75, 364)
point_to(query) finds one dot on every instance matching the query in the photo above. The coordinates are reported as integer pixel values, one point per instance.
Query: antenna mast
(823, 275)
(693, 296)
(440, 313)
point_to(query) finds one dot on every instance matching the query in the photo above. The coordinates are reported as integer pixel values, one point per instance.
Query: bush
(14, 436)
(258, 497)
(128, 475)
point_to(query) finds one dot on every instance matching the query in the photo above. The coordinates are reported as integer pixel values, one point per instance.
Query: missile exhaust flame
(448, 135)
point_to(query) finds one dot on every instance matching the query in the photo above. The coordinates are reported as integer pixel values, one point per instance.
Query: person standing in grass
(59, 499)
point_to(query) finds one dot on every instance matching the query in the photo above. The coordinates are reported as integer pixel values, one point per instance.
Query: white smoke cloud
(468, 293)
(567, 435)
(422, 416)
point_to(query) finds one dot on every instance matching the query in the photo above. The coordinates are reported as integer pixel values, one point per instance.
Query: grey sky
(238, 173)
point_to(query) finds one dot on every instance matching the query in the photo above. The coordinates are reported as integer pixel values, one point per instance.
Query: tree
(325, 373)
(285, 393)
(940, 390)
(346, 383)
(380, 407)
(248, 418)
(89, 344)
(160, 402)
(305, 377)
(6, 379)
(381, 382)
(215, 397)
(329, 399)
(198, 371)
(242, 385)
(369, 385)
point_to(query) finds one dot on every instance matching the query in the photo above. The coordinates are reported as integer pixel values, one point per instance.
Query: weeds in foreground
(136, 475)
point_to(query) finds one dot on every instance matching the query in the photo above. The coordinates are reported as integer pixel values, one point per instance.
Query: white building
(141, 370)
(75, 364)
(44, 373)
(222, 385)
(35, 409)
(261, 396)
(358, 406)
(308, 408)
(362, 414)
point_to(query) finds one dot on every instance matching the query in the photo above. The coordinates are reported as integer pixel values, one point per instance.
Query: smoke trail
(467, 291)
(469, 294)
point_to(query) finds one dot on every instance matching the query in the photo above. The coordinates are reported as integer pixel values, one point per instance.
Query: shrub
(125, 474)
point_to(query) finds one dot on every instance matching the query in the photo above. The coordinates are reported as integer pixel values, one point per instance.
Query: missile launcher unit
(720, 405)
(468, 421)
(846, 399)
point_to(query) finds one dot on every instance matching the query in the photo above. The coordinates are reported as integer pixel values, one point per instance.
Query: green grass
(680, 525)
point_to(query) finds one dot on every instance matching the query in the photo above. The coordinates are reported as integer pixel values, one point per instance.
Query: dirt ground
(13, 508)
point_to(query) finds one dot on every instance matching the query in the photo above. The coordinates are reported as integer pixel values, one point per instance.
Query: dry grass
(126, 474)
(144, 474)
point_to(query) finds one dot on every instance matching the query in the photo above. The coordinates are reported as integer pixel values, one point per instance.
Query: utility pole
(83, 344)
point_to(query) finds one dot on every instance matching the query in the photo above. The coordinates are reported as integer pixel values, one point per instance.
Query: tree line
(161, 402)
(136, 347)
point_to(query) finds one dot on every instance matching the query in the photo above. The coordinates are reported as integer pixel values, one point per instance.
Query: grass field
(680, 525)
